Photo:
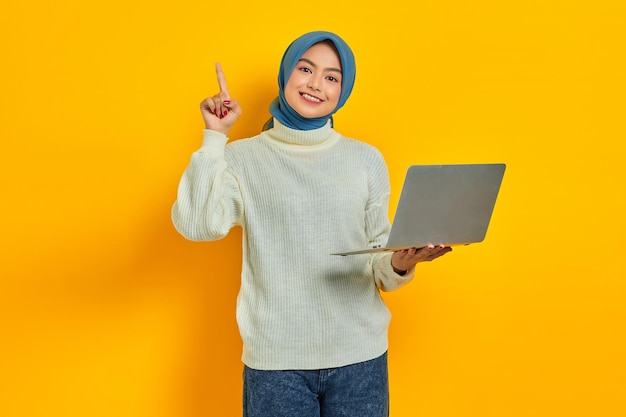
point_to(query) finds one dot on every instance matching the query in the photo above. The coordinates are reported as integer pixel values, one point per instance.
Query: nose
(315, 83)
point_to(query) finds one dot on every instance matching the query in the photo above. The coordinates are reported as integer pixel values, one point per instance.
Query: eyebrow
(308, 61)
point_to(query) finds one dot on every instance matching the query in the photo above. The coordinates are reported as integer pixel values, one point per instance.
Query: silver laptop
(442, 205)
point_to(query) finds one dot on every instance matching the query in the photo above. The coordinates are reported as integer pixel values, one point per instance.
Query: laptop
(447, 205)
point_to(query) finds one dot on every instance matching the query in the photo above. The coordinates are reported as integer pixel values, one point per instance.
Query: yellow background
(106, 311)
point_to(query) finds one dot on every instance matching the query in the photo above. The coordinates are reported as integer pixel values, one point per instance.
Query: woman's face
(314, 86)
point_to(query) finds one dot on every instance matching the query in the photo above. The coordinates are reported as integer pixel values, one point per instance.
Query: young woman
(314, 326)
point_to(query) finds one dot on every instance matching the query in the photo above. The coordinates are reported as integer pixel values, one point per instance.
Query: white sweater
(299, 196)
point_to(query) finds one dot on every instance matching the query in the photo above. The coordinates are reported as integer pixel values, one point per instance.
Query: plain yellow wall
(106, 311)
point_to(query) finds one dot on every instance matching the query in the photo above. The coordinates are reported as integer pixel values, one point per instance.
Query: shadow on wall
(160, 310)
(207, 277)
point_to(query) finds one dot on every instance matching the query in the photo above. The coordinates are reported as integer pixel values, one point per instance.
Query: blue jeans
(359, 390)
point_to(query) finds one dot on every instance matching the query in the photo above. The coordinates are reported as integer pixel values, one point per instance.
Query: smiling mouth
(311, 98)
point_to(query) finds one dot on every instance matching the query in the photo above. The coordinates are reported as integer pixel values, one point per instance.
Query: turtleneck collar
(323, 135)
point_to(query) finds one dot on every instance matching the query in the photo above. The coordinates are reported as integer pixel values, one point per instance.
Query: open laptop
(442, 205)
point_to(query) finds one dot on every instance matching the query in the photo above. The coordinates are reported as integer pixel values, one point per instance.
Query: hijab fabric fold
(281, 110)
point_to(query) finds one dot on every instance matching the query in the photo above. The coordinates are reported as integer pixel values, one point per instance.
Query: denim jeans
(359, 390)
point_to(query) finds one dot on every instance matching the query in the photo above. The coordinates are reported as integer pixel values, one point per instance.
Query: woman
(314, 326)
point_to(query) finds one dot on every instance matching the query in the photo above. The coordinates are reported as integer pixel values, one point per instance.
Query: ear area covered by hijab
(280, 109)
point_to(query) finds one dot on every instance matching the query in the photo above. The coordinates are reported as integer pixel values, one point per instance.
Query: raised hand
(220, 111)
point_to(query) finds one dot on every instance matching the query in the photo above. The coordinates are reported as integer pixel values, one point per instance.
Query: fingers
(425, 254)
(221, 80)
(431, 252)
(220, 111)
(217, 117)
(406, 259)
(436, 252)
(220, 104)
(210, 106)
(218, 107)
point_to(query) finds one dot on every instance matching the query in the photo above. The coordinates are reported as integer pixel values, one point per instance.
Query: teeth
(309, 97)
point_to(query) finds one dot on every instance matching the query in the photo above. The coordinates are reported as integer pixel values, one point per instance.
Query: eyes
(330, 76)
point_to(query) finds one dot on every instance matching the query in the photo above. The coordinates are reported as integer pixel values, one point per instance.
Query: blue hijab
(282, 111)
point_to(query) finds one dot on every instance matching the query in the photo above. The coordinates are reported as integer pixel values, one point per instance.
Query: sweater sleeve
(209, 201)
(386, 278)
(378, 227)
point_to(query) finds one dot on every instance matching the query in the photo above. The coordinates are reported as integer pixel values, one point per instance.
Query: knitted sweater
(299, 196)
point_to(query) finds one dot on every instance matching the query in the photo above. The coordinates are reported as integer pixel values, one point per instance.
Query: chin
(311, 114)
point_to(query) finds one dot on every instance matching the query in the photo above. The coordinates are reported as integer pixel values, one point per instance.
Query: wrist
(399, 271)
(222, 131)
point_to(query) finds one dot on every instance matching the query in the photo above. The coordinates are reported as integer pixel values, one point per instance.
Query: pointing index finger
(221, 80)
